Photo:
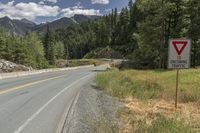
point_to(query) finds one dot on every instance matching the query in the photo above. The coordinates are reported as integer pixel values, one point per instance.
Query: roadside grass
(151, 84)
(154, 91)
(138, 120)
(164, 125)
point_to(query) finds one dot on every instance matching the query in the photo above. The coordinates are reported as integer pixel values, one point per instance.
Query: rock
(7, 66)
(62, 63)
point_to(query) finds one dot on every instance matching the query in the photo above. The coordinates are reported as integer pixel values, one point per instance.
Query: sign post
(179, 58)
(176, 97)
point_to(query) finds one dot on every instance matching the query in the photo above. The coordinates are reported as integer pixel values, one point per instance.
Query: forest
(140, 32)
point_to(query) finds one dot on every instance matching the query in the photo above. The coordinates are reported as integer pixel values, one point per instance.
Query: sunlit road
(37, 103)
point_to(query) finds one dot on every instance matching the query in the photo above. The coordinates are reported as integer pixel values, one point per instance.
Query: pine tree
(194, 32)
(49, 48)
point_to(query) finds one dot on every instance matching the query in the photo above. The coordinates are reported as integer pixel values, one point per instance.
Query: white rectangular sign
(179, 54)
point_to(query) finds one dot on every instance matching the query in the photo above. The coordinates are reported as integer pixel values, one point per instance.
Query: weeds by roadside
(164, 125)
(153, 110)
(155, 84)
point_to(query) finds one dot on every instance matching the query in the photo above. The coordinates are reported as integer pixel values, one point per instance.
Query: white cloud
(11, 3)
(69, 12)
(52, 1)
(29, 10)
(41, 3)
(100, 2)
(32, 10)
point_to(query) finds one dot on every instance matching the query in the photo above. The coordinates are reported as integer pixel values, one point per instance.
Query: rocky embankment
(7, 66)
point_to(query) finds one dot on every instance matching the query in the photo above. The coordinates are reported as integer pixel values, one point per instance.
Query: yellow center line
(27, 85)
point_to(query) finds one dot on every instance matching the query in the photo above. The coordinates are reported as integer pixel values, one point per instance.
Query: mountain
(57, 24)
(16, 27)
(63, 23)
(79, 18)
(21, 27)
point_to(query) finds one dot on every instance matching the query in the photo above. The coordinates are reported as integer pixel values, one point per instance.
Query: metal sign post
(176, 97)
(179, 58)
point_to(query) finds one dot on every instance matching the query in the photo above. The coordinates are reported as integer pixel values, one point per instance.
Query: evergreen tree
(194, 32)
(49, 42)
(59, 50)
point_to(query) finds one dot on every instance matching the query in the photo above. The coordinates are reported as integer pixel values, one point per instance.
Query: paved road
(37, 103)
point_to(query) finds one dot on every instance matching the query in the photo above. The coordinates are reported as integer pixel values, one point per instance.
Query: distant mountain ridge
(16, 27)
(21, 27)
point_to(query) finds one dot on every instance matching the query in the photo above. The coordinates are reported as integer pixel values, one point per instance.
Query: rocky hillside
(7, 66)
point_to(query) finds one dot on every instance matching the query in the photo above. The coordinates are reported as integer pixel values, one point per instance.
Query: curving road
(39, 103)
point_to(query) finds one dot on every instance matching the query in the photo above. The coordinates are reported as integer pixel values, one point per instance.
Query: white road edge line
(45, 105)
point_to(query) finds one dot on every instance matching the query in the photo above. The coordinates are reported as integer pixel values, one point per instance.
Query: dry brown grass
(137, 111)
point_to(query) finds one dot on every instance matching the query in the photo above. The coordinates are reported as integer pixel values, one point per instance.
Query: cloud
(100, 2)
(29, 10)
(51, 1)
(69, 12)
(33, 10)
(41, 3)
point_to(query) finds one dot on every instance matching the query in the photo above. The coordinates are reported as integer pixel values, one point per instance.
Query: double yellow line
(27, 85)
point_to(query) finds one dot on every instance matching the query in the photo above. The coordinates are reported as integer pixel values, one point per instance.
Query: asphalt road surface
(38, 103)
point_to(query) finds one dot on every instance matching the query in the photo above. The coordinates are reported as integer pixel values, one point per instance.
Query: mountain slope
(79, 18)
(20, 27)
(16, 27)
(57, 24)
(63, 23)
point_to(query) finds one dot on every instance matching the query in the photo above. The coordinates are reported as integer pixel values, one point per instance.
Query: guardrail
(34, 72)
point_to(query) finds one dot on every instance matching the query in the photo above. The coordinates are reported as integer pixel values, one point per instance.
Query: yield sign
(179, 53)
(179, 46)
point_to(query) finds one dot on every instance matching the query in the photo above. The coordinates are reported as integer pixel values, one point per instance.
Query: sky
(48, 10)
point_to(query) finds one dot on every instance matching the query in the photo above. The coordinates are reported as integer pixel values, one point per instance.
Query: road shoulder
(94, 111)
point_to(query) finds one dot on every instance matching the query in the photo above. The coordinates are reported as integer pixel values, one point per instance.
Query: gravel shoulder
(93, 112)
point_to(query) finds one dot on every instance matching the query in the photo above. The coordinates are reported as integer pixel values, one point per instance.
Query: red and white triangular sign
(179, 53)
(179, 46)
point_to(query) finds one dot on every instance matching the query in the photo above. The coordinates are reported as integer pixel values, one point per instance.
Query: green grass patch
(151, 84)
(164, 125)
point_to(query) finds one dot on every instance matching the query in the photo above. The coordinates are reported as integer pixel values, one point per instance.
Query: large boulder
(7, 66)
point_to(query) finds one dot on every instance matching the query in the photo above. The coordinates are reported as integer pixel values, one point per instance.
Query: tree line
(30, 49)
(140, 32)
(27, 50)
